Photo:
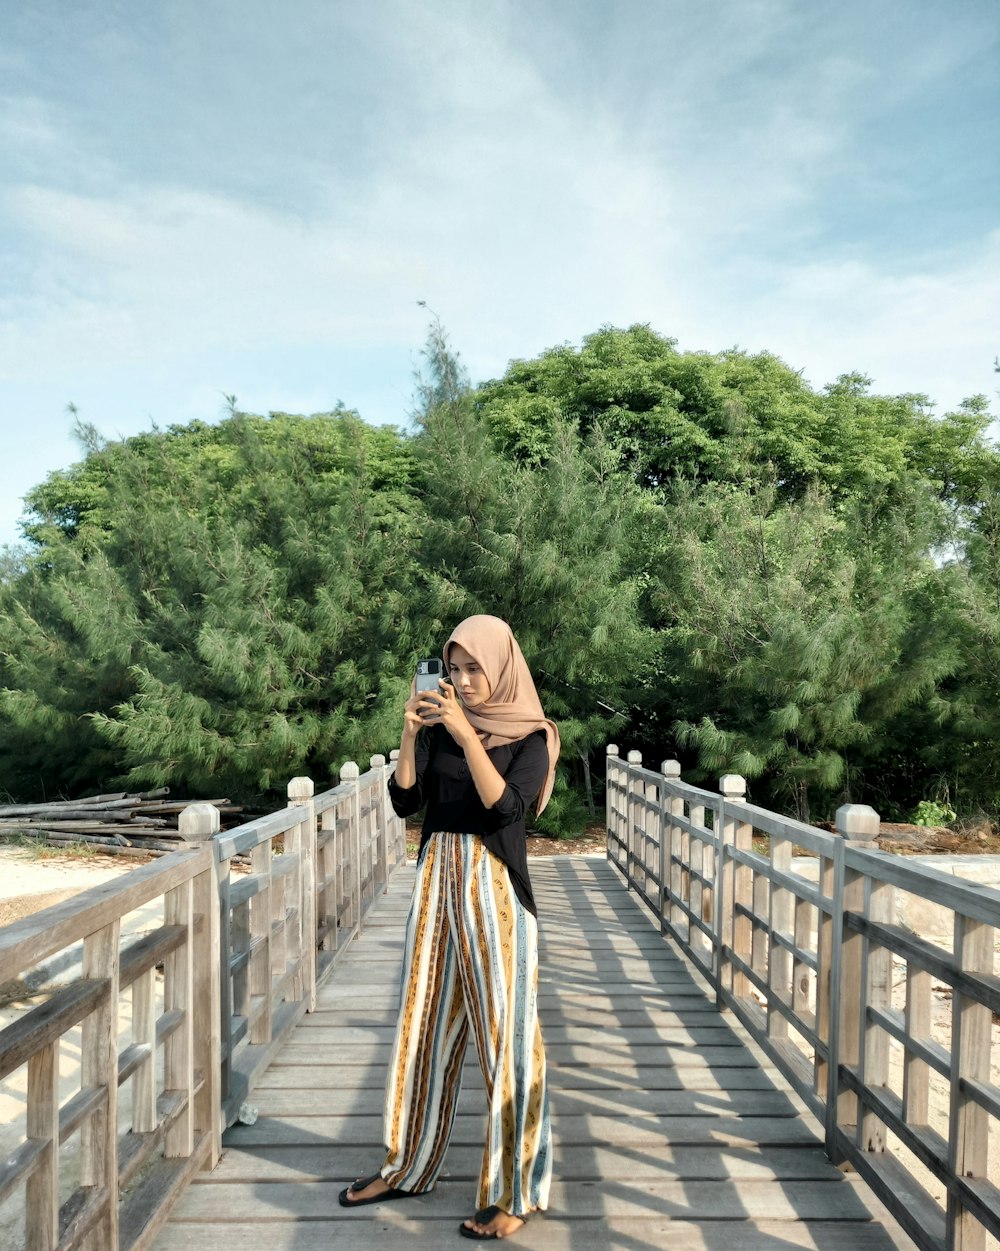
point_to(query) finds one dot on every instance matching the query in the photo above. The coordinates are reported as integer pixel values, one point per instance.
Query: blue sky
(201, 197)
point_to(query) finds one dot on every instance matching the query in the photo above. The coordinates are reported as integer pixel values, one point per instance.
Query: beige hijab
(513, 709)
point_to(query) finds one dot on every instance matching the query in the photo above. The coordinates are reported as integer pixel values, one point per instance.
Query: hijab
(513, 710)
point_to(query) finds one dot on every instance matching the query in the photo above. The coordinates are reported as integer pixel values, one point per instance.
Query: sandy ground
(29, 883)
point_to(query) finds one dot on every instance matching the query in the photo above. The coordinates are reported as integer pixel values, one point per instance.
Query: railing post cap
(301, 788)
(733, 786)
(671, 768)
(378, 761)
(394, 754)
(349, 772)
(198, 821)
(612, 749)
(635, 757)
(858, 823)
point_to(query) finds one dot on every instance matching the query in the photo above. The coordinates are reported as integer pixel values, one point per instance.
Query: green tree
(547, 545)
(215, 608)
(799, 633)
(725, 417)
(698, 552)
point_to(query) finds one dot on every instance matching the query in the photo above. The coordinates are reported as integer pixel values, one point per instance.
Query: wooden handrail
(242, 955)
(805, 959)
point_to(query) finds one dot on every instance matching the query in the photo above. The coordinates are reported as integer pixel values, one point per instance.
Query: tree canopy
(699, 553)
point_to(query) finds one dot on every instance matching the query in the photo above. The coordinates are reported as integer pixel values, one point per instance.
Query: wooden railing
(795, 929)
(241, 953)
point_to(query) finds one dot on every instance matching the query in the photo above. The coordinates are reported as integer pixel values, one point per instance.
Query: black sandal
(483, 1217)
(386, 1196)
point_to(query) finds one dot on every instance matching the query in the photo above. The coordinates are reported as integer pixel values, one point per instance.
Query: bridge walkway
(671, 1129)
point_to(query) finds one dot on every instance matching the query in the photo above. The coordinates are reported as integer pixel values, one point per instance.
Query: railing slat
(42, 1117)
(46, 1023)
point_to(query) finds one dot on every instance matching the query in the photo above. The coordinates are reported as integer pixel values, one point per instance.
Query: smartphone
(428, 674)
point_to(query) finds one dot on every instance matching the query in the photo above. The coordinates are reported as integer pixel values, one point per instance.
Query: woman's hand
(412, 720)
(443, 707)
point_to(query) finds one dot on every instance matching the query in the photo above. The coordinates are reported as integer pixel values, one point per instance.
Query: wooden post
(327, 876)
(701, 864)
(398, 824)
(634, 758)
(178, 1049)
(290, 948)
(350, 774)
(279, 918)
(858, 826)
(144, 1117)
(760, 951)
(803, 977)
(671, 876)
(42, 1189)
(260, 939)
(877, 994)
(380, 803)
(969, 1123)
(611, 823)
(652, 829)
(916, 1072)
(829, 933)
(779, 964)
(212, 993)
(99, 1067)
(300, 795)
(208, 959)
(732, 887)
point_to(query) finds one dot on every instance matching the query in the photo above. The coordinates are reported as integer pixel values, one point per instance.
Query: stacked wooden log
(140, 824)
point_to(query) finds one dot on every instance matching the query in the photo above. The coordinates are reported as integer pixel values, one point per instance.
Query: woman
(476, 753)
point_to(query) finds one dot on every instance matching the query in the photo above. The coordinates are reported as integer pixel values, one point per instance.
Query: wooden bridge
(718, 1024)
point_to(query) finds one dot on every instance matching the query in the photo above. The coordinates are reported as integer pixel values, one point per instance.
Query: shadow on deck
(670, 1128)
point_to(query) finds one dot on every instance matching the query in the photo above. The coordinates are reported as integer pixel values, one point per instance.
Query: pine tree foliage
(701, 555)
(968, 762)
(547, 545)
(230, 608)
(732, 416)
(796, 639)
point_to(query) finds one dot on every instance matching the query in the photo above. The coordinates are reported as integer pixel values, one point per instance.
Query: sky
(202, 198)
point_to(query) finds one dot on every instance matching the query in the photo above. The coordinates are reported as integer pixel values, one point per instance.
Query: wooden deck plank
(587, 1200)
(644, 1131)
(302, 1101)
(323, 1076)
(337, 1162)
(668, 1129)
(613, 1052)
(393, 1229)
(715, 1034)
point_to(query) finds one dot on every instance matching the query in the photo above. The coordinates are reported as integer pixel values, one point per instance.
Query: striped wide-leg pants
(471, 962)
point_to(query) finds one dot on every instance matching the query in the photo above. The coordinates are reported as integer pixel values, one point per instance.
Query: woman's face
(467, 677)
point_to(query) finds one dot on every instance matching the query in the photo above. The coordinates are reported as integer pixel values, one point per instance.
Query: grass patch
(38, 849)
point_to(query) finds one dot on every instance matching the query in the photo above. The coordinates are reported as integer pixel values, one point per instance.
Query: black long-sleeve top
(444, 784)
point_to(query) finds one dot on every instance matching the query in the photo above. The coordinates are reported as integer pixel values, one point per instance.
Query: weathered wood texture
(807, 962)
(178, 1121)
(316, 868)
(241, 956)
(670, 1130)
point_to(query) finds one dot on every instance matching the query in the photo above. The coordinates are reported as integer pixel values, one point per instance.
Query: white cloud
(675, 166)
(931, 329)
